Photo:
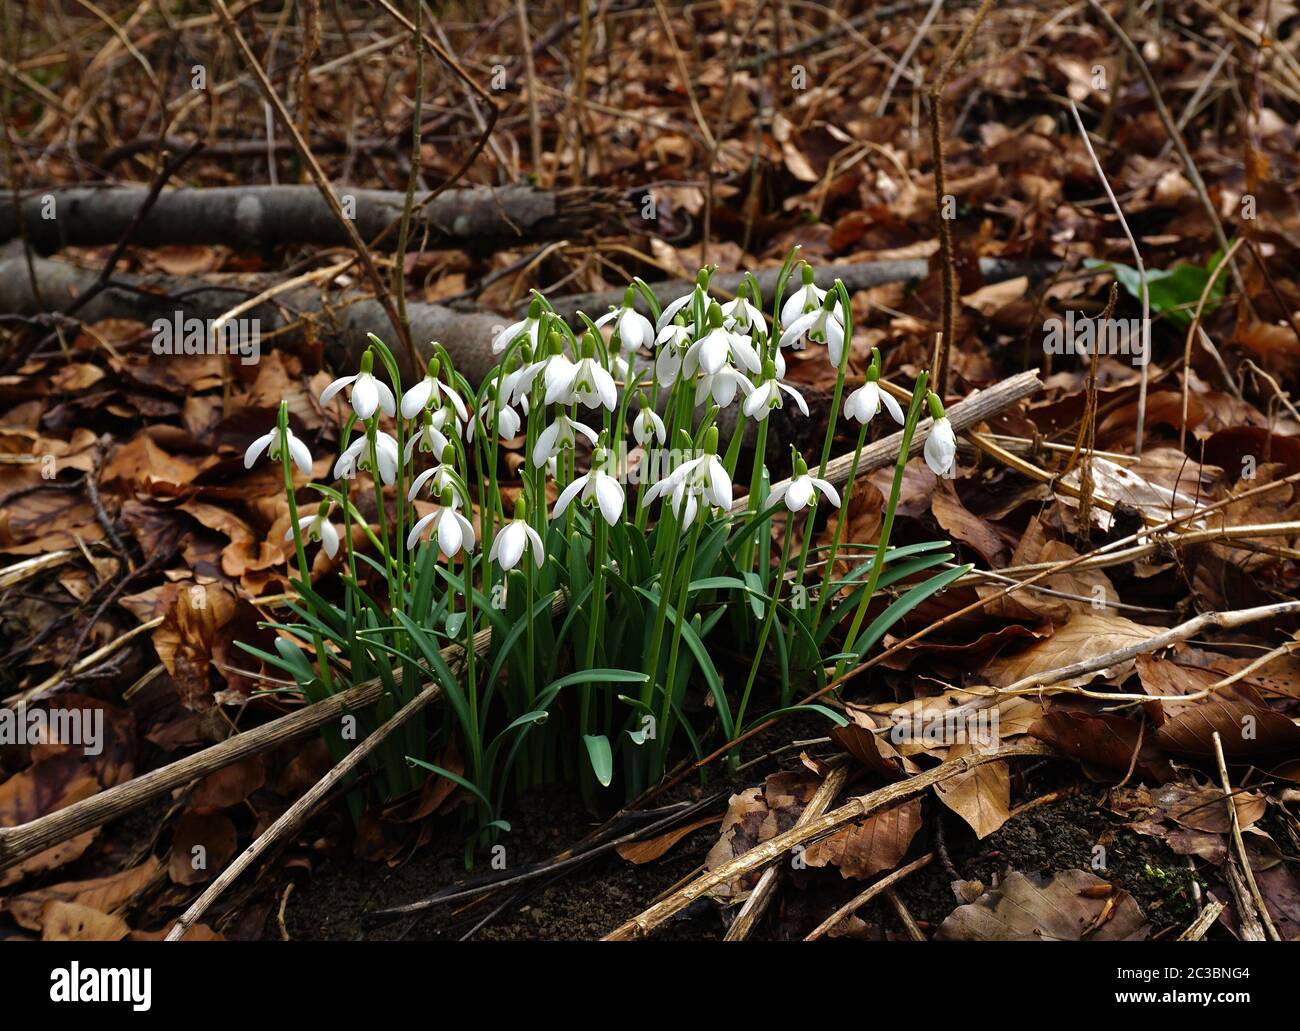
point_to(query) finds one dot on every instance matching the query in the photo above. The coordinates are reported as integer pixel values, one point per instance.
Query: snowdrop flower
(367, 395)
(554, 367)
(318, 528)
(506, 419)
(428, 391)
(767, 395)
(359, 455)
(747, 317)
(864, 403)
(647, 425)
(430, 438)
(685, 504)
(719, 344)
(513, 539)
(275, 443)
(529, 326)
(674, 340)
(597, 485)
(705, 475)
(722, 386)
(587, 383)
(821, 324)
(701, 288)
(558, 436)
(453, 531)
(443, 476)
(941, 444)
(801, 490)
(633, 328)
(807, 298)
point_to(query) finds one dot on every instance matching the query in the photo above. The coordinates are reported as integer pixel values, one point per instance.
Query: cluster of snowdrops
(572, 638)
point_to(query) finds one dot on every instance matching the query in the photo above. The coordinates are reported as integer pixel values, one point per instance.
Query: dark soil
(590, 900)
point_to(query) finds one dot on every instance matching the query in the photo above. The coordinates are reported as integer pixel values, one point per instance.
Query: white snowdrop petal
(828, 491)
(892, 407)
(256, 448)
(329, 538)
(568, 494)
(301, 456)
(609, 495)
(365, 397)
(334, 388)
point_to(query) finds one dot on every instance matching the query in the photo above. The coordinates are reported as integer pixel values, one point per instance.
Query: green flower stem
(886, 528)
(683, 598)
(840, 520)
(768, 619)
(286, 461)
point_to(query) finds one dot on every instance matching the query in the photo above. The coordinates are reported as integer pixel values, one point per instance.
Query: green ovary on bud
(710, 441)
(807, 273)
(431, 370)
(324, 509)
(715, 315)
(535, 307)
(800, 466)
(448, 456)
(629, 297)
(588, 344)
(936, 406)
(555, 342)
(368, 362)
(769, 369)
(521, 509)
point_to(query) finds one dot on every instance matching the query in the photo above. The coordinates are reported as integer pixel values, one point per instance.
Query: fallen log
(341, 320)
(476, 218)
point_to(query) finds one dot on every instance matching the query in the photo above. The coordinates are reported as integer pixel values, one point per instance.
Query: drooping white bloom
(558, 436)
(822, 324)
(555, 368)
(368, 394)
(673, 307)
(864, 403)
(705, 475)
(685, 504)
(317, 527)
(802, 489)
(722, 386)
(673, 341)
(529, 326)
(747, 317)
(767, 395)
(430, 438)
(806, 298)
(358, 456)
(273, 443)
(647, 426)
(428, 391)
(443, 481)
(720, 344)
(633, 328)
(941, 448)
(596, 485)
(587, 383)
(512, 540)
(507, 420)
(454, 532)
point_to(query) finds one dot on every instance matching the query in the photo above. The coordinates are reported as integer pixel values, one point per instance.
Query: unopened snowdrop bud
(941, 444)
(368, 394)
